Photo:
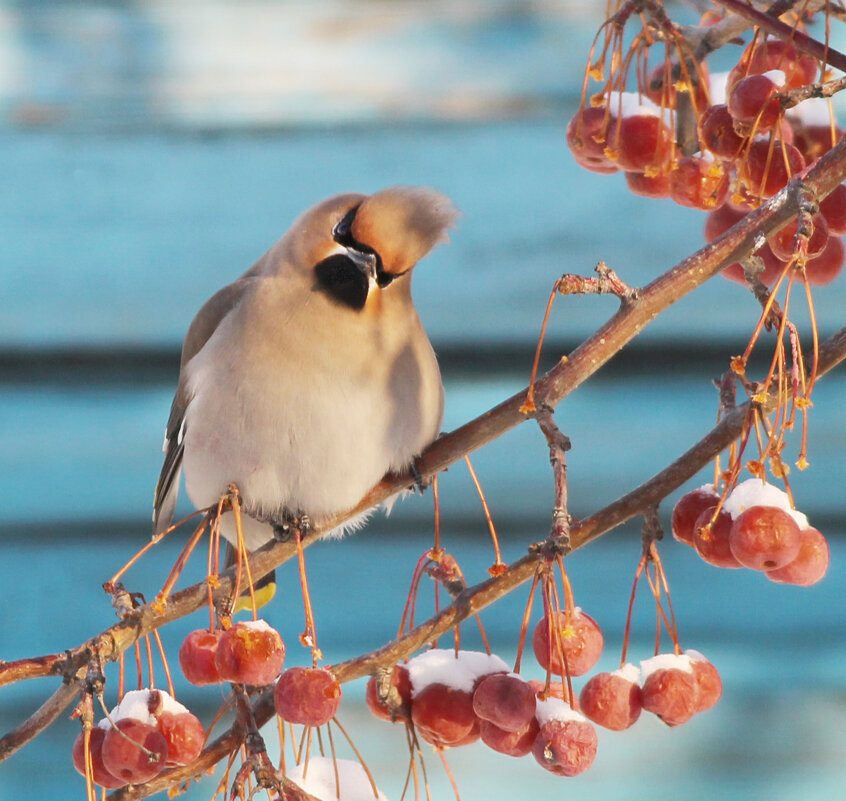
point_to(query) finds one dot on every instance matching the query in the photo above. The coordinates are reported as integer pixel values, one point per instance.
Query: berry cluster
(455, 698)
(756, 527)
(250, 652)
(749, 148)
(147, 732)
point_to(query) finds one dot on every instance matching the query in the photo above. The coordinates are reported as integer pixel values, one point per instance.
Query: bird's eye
(342, 232)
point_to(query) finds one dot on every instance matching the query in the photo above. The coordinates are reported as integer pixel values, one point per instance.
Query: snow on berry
(251, 652)
(613, 700)
(754, 492)
(461, 670)
(317, 776)
(566, 742)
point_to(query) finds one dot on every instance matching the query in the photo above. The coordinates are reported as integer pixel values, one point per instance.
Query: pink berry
(196, 656)
(810, 564)
(134, 751)
(184, 735)
(709, 685)
(764, 538)
(565, 747)
(506, 701)
(671, 694)
(250, 653)
(310, 696)
(401, 687)
(611, 701)
(580, 638)
(512, 743)
(688, 508)
(711, 539)
(100, 775)
(444, 715)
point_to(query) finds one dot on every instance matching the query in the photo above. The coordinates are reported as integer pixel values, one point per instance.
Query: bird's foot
(289, 523)
(421, 482)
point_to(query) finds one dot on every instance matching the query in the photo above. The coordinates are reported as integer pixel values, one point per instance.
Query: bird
(311, 376)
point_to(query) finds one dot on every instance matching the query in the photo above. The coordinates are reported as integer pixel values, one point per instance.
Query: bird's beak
(366, 262)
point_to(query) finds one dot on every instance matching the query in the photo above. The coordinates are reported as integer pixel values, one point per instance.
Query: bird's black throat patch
(340, 278)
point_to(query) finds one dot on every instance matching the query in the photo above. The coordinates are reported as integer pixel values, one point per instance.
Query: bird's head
(358, 243)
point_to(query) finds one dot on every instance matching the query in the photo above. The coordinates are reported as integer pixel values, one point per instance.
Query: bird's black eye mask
(342, 234)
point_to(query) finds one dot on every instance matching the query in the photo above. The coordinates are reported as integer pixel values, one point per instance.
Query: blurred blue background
(151, 151)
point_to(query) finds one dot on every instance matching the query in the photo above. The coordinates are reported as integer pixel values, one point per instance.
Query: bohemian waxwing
(310, 377)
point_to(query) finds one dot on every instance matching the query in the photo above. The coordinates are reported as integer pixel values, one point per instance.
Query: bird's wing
(199, 332)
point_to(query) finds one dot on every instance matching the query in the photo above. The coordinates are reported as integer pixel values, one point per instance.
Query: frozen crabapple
(251, 652)
(709, 685)
(397, 704)
(774, 54)
(699, 182)
(768, 166)
(579, 637)
(827, 266)
(134, 751)
(310, 696)
(184, 734)
(716, 129)
(511, 743)
(655, 186)
(688, 508)
(814, 141)
(833, 208)
(754, 102)
(196, 656)
(444, 715)
(711, 538)
(99, 774)
(612, 700)
(504, 700)
(566, 742)
(782, 242)
(586, 137)
(640, 140)
(764, 538)
(810, 564)
(669, 688)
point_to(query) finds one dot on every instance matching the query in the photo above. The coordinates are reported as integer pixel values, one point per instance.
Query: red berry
(764, 538)
(641, 141)
(399, 694)
(565, 747)
(833, 208)
(810, 564)
(716, 129)
(506, 701)
(699, 183)
(711, 540)
(133, 751)
(196, 656)
(827, 266)
(580, 638)
(444, 715)
(586, 138)
(767, 167)
(753, 102)
(250, 653)
(774, 54)
(99, 773)
(184, 735)
(655, 186)
(709, 685)
(814, 141)
(512, 743)
(611, 700)
(671, 694)
(691, 505)
(782, 242)
(310, 696)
